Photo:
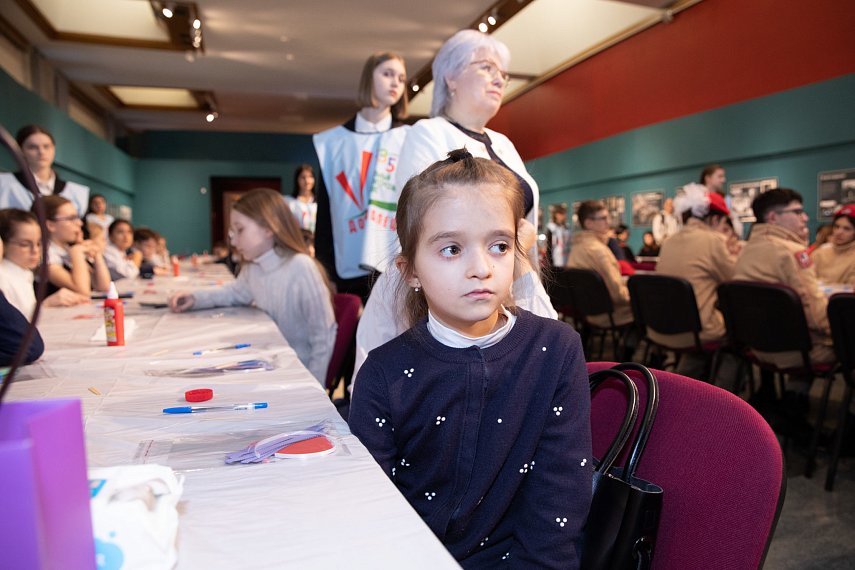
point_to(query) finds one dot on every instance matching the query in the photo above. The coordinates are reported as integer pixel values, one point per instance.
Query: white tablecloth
(336, 511)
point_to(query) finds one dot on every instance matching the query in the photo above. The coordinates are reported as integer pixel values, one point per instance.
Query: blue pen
(222, 348)
(195, 409)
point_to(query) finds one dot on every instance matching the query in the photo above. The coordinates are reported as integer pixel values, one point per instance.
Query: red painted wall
(713, 54)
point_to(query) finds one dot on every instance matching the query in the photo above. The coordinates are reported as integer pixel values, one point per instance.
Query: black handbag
(620, 532)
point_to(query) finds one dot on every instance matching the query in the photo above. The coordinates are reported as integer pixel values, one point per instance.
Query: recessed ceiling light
(167, 12)
(197, 23)
(482, 27)
(491, 20)
(416, 87)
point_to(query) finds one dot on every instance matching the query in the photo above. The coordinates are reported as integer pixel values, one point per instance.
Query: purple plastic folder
(45, 520)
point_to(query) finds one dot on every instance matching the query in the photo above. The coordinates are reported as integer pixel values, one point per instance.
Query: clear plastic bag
(234, 367)
(198, 452)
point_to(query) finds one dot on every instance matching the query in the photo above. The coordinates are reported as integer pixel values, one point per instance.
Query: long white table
(336, 511)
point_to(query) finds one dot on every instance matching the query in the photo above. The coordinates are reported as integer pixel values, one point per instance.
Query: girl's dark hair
(297, 173)
(116, 223)
(27, 131)
(11, 218)
(365, 96)
(92, 197)
(587, 209)
(52, 205)
(145, 234)
(707, 171)
(442, 179)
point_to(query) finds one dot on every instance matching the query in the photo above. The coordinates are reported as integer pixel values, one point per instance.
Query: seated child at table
(13, 326)
(479, 413)
(73, 262)
(122, 259)
(162, 257)
(278, 276)
(145, 241)
(22, 235)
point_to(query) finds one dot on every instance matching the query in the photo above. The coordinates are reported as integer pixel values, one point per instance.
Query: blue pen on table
(196, 409)
(222, 348)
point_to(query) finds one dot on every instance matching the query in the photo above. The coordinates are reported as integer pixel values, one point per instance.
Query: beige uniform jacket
(835, 263)
(698, 254)
(776, 255)
(589, 251)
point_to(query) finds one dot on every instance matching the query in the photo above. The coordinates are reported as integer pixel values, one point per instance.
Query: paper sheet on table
(101, 334)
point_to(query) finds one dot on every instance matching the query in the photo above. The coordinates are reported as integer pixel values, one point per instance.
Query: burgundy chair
(719, 463)
(347, 308)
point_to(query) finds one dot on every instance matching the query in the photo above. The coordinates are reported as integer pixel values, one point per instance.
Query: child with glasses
(22, 236)
(73, 263)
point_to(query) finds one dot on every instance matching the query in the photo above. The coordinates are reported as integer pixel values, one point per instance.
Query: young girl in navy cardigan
(479, 413)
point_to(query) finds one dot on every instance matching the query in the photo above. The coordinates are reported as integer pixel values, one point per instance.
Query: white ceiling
(293, 66)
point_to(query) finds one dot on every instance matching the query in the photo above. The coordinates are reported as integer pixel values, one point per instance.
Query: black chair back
(764, 316)
(665, 304)
(558, 288)
(841, 317)
(589, 291)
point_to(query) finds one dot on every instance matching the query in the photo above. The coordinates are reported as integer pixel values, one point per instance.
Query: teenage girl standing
(355, 234)
(479, 413)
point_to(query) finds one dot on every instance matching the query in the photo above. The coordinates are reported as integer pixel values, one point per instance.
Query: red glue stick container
(176, 270)
(114, 318)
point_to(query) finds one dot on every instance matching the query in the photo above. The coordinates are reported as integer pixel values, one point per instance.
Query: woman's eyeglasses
(492, 70)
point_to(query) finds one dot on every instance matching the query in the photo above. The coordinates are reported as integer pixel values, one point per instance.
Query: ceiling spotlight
(167, 13)
(482, 27)
(211, 116)
(416, 88)
(197, 23)
(491, 20)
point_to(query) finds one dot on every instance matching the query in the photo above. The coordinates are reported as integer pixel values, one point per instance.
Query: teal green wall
(169, 198)
(80, 155)
(175, 165)
(792, 135)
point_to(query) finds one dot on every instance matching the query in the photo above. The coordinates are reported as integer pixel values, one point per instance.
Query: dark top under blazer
(12, 327)
(492, 447)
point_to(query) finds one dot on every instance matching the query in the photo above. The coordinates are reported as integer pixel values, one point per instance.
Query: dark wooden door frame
(222, 184)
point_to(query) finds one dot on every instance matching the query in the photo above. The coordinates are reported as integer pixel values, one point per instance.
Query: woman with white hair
(470, 77)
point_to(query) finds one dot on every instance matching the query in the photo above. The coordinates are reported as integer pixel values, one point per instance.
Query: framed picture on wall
(834, 188)
(645, 205)
(616, 205)
(740, 195)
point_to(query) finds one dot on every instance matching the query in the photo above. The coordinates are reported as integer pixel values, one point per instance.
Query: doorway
(225, 191)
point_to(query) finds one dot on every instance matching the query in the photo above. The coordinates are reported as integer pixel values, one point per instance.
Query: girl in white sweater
(277, 276)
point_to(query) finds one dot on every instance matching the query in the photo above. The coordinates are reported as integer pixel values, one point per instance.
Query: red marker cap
(199, 395)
